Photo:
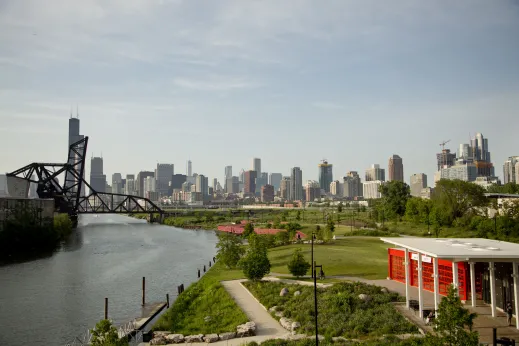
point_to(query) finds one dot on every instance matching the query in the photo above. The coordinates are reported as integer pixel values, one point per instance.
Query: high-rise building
(466, 171)
(396, 168)
(256, 166)
(465, 152)
(202, 185)
(275, 180)
(284, 188)
(189, 168)
(418, 182)
(517, 173)
(375, 173)
(250, 182)
(312, 190)
(325, 175)
(215, 184)
(479, 146)
(228, 172)
(445, 159)
(336, 188)
(261, 180)
(177, 180)
(73, 137)
(97, 178)
(163, 174)
(130, 187)
(241, 176)
(267, 193)
(296, 184)
(352, 185)
(509, 170)
(117, 183)
(141, 176)
(370, 189)
(232, 185)
(478, 154)
(149, 185)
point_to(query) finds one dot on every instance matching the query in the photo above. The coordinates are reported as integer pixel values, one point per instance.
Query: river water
(51, 300)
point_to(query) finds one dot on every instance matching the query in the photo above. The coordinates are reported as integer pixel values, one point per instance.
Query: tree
(255, 264)
(282, 238)
(105, 334)
(452, 320)
(298, 215)
(298, 266)
(456, 198)
(248, 230)
(330, 226)
(394, 198)
(230, 249)
(339, 207)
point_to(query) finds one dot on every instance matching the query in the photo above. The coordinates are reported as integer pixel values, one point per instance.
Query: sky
(291, 82)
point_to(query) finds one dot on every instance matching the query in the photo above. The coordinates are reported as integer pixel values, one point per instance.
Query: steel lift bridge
(67, 194)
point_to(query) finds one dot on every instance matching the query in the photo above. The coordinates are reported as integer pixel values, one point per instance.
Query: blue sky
(291, 82)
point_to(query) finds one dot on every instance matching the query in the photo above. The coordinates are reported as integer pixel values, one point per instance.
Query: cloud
(327, 105)
(215, 83)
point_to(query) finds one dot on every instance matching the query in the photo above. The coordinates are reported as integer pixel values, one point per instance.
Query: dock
(137, 327)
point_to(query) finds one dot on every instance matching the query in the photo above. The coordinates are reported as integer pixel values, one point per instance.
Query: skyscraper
(352, 185)
(267, 193)
(202, 185)
(375, 173)
(312, 190)
(396, 168)
(479, 146)
(141, 176)
(336, 188)
(275, 180)
(232, 185)
(445, 159)
(189, 169)
(73, 137)
(509, 170)
(228, 172)
(325, 175)
(97, 178)
(250, 182)
(284, 188)
(418, 182)
(296, 184)
(163, 174)
(256, 166)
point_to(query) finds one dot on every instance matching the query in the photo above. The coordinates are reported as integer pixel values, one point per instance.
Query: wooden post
(106, 308)
(199, 273)
(143, 291)
(167, 300)
(204, 268)
(209, 264)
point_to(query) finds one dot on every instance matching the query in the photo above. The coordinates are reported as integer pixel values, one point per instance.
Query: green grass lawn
(364, 257)
(341, 311)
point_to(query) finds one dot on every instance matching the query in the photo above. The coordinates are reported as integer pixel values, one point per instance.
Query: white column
(406, 263)
(436, 284)
(420, 286)
(516, 293)
(455, 275)
(491, 268)
(473, 283)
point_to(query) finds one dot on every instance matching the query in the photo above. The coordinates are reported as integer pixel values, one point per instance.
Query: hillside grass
(340, 310)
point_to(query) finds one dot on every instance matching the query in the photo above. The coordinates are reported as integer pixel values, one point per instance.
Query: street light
(313, 237)
(315, 300)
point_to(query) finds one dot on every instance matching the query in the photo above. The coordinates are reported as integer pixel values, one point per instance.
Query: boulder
(286, 323)
(159, 333)
(159, 340)
(194, 338)
(247, 329)
(295, 325)
(227, 336)
(364, 297)
(175, 338)
(283, 292)
(296, 337)
(297, 293)
(384, 290)
(278, 314)
(273, 309)
(211, 338)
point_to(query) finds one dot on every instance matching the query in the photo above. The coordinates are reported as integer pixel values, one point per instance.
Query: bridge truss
(69, 197)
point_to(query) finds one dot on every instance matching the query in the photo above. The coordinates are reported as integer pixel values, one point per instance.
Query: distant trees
(394, 198)
(455, 198)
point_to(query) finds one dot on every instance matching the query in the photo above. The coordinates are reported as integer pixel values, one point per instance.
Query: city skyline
(370, 80)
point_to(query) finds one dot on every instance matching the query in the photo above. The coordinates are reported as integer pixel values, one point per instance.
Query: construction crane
(442, 144)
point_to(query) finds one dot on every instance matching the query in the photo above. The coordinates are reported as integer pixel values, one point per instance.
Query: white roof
(459, 249)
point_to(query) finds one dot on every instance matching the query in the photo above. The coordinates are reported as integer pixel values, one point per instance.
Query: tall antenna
(77, 111)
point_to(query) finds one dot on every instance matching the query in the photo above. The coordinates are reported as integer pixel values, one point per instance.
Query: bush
(298, 266)
(255, 263)
(105, 334)
(230, 249)
(62, 225)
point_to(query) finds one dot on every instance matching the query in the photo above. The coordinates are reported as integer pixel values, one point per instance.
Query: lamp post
(315, 301)
(313, 237)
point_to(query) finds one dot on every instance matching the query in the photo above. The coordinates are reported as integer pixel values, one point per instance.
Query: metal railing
(129, 329)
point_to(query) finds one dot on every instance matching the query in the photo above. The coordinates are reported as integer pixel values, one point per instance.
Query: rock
(295, 325)
(297, 293)
(384, 290)
(247, 329)
(278, 314)
(175, 338)
(364, 297)
(273, 309)
(159, 333)
(207, 318)
(296, 337)
(286, 323)
(283, 292)
(211, 338)
(194, 338)
(339, 339)
(159, 340)
(227, 336)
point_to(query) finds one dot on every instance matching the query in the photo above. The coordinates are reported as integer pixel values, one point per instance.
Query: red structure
(396, 267)
(240, 229)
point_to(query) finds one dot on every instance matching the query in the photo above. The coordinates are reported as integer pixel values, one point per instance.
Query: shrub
(62, 225)
(298, 266)
(105, 334)
(255, 263)
(230, 249)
